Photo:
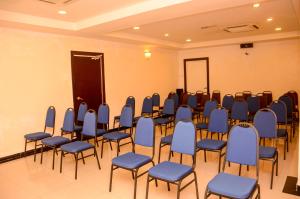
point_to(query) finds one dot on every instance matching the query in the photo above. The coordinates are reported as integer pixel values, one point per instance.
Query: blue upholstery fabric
(100, 132)
(75, 147)
(37, 136)
(50, 117)
(156, 99)
(68, 125)
(218, 121)
(192, 101)
(239, 111)
(279, 108)
(175, 97)
(89, 124)
(144, 134)
(265, 122)
(266, 152)
(131, 160)
(170, 171)
(209, 107)
(81, 111)
(211, 144)
(126, 117)
(202, 126)
(147, 107)
(242, 145)
(162, 120)
(184, 138)
(183, 113)
(253, 104)
(115, 135)
(232, 186)
(169, 107)
(227, 102)
(55, 141)
(103, 114)
(282, 132)
(167, 139)
(288, 102)
(131, 102)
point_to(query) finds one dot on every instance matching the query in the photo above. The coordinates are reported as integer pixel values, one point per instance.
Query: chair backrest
(265, 122)
(156, 99)
(262, 100)
(103, 114)
(243, 145)
(279, 109)
(289, 104)
(184, 138)
(184, 112)
(50, 117)
(218, 121)
(216, 95)
(69, 119)
(169, 107)
(175, 97)
(205, 97)
(208, 107)
(239, 111)
(131, 101)
(199, 95)
(126, 117)
(294, 95)
(246, 94)
(268, 97)
(83, 107)
(192, 101)
(89, 123)
(253, 104)
(147, 107)
(239, 96)
(145, 132)
(227, 102)
(184, 98)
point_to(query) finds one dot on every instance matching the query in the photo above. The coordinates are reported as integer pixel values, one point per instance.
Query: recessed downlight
(136, 28)
(256, 5)
(278, 29)
(166, 35)
(188, 40)
(269, 19)
(62, 12)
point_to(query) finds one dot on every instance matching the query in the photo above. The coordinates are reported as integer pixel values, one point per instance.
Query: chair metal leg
(53, 158)
(118, 147)
(258, 191)
(35, 143)
(168, 185)
(276, 163)
(272, 174)
(240, 169)
(76, 165)
(159, 152)
(110, 146)
(41, 162)
(61, 161)
(196, 184)
(25, 147)
(204, 155)
(160, 127)
(206, 193)
(82, 157)
(135, 184)
(155, 179)
(219, 167)
(111, 176)
(147, 187)
(102, 143)
(180, 158)
(97, 158)
(178, 189)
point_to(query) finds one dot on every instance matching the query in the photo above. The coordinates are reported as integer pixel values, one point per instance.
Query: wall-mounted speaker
(246, 45)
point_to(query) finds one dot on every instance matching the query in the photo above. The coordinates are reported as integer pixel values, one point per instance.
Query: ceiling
(201, 21)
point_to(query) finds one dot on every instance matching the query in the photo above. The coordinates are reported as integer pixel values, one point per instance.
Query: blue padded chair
(129, 101)
(216, 96)
(167, 116)
(132, 161)
(184, 112)
(239, 111)
(102, 121)
(126, 121)
(192, 102)
(37, 136)
(56, 141)
(184, 142)
(78, 147)
(290, 110)
(147, 107)
(83, 107)
(265, 122)
(279, 109)
(227, 102)
(242, 148)
(253, 105)
(208, 108)
(175, 97)
(218, 123)
(156, 102)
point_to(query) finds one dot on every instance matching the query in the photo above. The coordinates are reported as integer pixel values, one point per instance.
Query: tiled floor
(24, 178)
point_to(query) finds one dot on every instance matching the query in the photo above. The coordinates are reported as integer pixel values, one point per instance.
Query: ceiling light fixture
(188, 40)
(62, 12)
(270, 19)
(256, 5)
(166, 34)
(147, 54)
(278, 29)
(136, 28)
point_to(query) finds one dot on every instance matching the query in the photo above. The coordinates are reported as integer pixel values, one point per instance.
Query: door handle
(79, 98)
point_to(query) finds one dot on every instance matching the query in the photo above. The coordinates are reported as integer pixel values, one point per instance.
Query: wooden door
(88, 79)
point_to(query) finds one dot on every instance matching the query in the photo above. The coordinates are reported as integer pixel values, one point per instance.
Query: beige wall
(36, 73)
(273, 65)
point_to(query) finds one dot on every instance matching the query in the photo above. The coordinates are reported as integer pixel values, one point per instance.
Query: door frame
(207, 71)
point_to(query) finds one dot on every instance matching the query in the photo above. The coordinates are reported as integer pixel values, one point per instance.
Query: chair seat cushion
(170, 171)
(77, 128)
(167, 139)
(100, 132)
(162, 120)
(211, 144)
(281, 133)
(201, 126)
(131, 160)
(37, 136)
(267, 152)
(232, 186)
(75, 147)
(55, 141)
(115, 135)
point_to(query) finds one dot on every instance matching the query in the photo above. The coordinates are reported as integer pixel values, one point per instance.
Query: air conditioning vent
(241, 28)
(57, 2)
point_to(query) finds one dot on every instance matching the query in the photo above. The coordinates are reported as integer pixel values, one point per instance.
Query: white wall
(36, 73)
(273, 65)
